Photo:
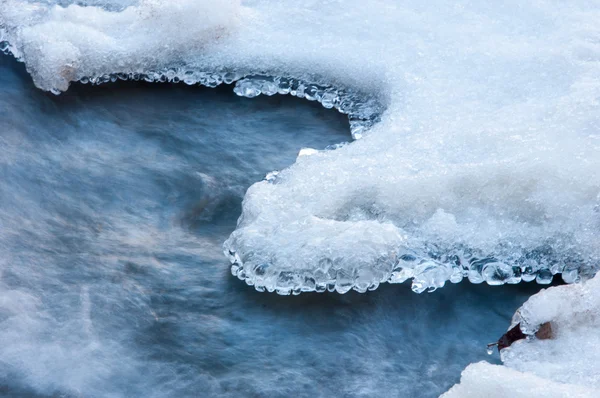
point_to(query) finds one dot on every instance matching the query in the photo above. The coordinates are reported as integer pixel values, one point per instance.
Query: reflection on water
(114, 203)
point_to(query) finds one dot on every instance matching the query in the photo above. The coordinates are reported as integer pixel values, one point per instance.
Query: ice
(565, 364)
(363, 110)
(571, 355)
(479, 126)
(64, 44)
(494, 381)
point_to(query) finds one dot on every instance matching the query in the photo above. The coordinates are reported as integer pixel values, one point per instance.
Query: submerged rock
(515, 334)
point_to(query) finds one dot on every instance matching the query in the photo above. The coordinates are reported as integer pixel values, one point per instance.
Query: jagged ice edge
(430, 268)
(363, 110)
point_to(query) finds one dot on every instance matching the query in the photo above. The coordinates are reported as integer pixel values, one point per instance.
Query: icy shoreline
(483, 165)
(564, 365)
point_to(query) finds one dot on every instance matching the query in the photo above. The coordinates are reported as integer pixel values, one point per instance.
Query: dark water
(114, 203)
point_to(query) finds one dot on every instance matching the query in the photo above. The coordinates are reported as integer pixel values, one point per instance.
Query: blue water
(114, 203)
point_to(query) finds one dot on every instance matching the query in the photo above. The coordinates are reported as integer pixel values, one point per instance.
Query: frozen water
(147, 43)
(572, 355)
(485, 380)
(94, 42)
(566, 364)
(483, 165)
(363, 110)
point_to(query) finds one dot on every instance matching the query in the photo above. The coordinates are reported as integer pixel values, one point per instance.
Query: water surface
(114, 203)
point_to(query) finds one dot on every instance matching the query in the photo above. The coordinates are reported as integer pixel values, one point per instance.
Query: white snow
(494, 381)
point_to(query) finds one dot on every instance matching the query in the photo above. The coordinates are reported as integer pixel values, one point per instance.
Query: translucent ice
(483, 165)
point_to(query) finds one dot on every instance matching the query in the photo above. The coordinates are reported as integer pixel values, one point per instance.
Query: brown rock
(545, 331)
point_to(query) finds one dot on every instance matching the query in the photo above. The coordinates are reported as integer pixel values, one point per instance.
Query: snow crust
(494, 381)
(64, 44)
(566, 365)
(483, 166)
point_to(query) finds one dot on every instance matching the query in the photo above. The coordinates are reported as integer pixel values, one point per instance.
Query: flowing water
(114, 205)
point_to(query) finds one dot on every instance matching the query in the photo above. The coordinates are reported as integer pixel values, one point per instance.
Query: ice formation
(64, 44)
(494, 381)
(97, 45)
(564, 365)
(484, 164)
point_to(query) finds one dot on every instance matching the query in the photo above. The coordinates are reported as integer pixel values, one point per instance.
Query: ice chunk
(475, 180)
(558, 357)
(64, 44)
(572, 355)
(494, 381)
(388, 202)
